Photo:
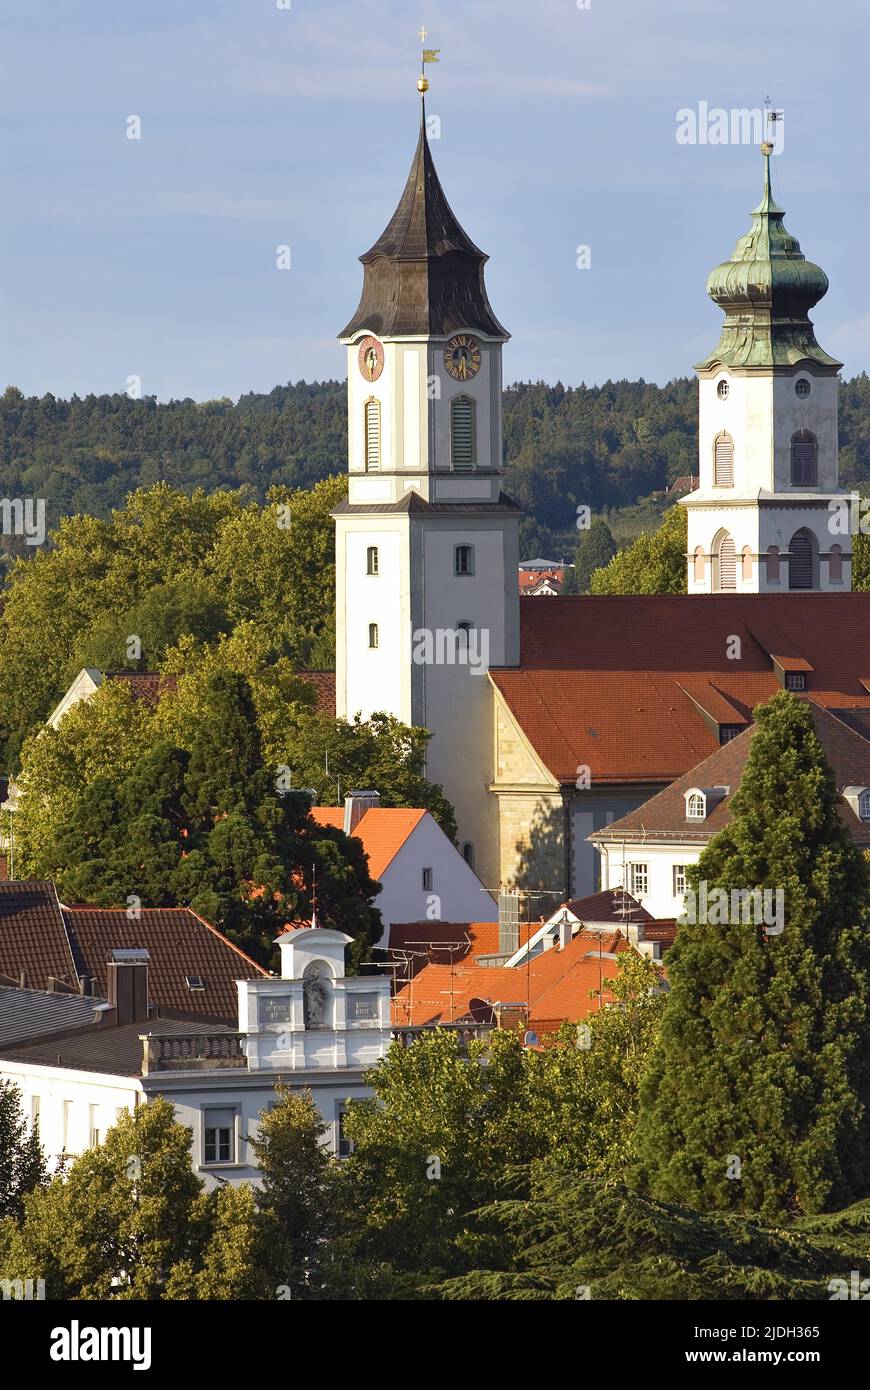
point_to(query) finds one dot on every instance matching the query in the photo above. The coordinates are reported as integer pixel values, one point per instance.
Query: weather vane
(430, 55)
(771, 117)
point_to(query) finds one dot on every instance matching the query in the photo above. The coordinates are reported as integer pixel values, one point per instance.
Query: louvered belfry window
(727, 564)
(804, 465)
(373, 436)
(462, 434)
(800, 565)
(723, 461)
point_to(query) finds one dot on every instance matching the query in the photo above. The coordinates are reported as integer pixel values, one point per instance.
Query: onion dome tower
(769, 514)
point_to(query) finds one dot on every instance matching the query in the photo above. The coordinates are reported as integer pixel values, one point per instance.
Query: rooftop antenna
(314, 895)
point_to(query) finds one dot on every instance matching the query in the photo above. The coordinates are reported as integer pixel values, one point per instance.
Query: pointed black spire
(423, 274)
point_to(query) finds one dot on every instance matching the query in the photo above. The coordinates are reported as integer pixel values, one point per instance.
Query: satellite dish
(530, 1039)
(481, 1011)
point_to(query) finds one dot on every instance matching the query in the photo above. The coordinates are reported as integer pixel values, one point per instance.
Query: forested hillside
(607, 447)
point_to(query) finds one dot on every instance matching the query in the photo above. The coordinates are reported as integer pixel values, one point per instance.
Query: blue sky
(264, 126)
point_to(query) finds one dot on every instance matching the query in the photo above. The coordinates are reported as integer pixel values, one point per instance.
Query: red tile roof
(413, 945)
(555, 984)
(144, 685)
(604, 679)
(383, 831)
(179, 944)
(33, 938)
(664, 815)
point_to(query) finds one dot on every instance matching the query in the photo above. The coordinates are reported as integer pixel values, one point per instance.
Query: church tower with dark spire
(769, 515)
(426, 543)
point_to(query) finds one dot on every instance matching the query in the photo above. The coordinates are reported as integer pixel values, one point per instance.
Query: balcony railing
(193, 1052)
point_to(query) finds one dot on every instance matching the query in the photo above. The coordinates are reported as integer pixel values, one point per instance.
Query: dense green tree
(595, 550)
(298, 1200)
(22, 1163)
(116, 1222)
(757, 1096)
(652, 564)
(597, 1241)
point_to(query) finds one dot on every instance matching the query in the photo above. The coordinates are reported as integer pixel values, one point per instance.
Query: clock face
(462, 357)
(371, 358)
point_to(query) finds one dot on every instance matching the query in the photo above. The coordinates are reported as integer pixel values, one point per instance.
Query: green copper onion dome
(767, 289)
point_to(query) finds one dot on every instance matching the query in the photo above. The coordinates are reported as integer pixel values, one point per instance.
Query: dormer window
(795, 680)
(696, 806)
(859, 800)
(729, 731)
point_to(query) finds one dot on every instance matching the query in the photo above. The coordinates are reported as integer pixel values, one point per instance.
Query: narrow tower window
(804, 460)
(802, 561)
(723, 461)
(463, 559)
(727, 564)
(835, 565)
(700, 564)
(373, 436)
(373, 634)
(746, 557)
(372, 561)
(773, 564)
(462, 434)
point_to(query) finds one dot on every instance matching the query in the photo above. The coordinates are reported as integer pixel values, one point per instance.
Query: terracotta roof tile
(416, 944)
(664, 815)
(603, 678)
(563, 977)
(33, 937)
(383, 831)
(179, 943)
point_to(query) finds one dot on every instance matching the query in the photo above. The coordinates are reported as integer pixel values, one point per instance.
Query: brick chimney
(355, 806)
(127, 983)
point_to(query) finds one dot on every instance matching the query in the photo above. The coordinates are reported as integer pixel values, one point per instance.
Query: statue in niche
(314, 997)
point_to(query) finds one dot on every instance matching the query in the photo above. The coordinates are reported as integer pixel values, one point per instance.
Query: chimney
(355, 806)
(566, 931)
(127, 973)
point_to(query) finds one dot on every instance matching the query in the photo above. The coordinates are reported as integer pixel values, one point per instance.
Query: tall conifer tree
(758, 1091)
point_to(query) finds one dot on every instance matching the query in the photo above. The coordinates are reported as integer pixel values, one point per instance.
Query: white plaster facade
(75, 1108)
(658, 865)
(449, 892)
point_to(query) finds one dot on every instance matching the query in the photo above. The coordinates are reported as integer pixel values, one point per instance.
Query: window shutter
(373, 436)
(462, 428)
(723, 461)
(727, 565)
(800, 567)
(803, 460)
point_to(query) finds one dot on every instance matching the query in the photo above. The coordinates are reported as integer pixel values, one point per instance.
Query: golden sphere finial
(766, 147)
(422, 85)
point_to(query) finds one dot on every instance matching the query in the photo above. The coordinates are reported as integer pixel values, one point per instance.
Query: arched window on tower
(724, 564)
(746, 564)
(804, 460)
(372, 561)
(462, 450)
(773, 564)
(803, 565)
(835, 565)
(723, 460)
(373, 435)
(700, 564)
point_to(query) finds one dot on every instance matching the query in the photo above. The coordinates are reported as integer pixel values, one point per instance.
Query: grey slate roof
(31, 1013)
(117, 1051)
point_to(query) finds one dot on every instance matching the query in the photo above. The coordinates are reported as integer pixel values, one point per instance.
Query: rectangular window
(219, 1136)
(67, 1125)
(345, 1147)
(372, 560)
(729, 731)
(680, 884)
(639, 879)
(795, 680)
(93, 1127)
(427, 880)
(34, 1110)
